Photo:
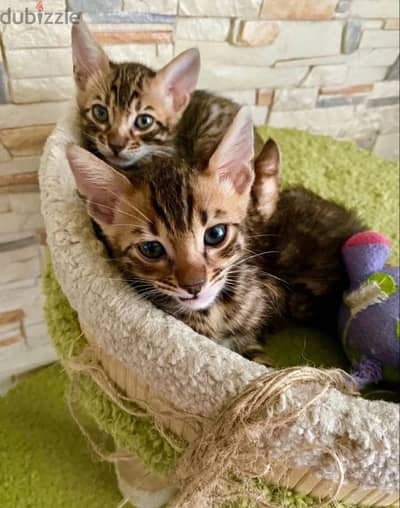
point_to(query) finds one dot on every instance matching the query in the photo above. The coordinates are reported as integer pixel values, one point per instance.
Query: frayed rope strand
(230, 447)
(87, 364)
(230, 455)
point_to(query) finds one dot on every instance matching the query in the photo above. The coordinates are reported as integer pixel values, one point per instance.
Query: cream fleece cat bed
(185, 413)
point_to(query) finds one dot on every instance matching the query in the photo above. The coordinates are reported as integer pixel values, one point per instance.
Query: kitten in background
(128, 111)
(218, 247)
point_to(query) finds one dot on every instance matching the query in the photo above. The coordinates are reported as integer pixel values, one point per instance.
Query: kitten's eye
(100, 113)
(152, 250)
(143, 122)
(215, 235)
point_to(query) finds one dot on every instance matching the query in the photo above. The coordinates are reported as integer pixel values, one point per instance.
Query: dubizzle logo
(39, 16)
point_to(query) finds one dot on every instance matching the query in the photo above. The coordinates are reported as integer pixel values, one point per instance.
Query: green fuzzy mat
(44, 460)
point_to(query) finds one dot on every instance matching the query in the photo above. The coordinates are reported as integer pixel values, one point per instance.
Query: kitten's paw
(256, 353)
(263, 359)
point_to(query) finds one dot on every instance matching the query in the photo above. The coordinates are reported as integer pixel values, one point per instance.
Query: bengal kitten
(128, 111)
(198, 241)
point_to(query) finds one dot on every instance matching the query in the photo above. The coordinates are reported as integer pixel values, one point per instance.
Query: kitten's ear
(267, 180)
(88, 57)
(98, 182)
(232, 161)
(179, 77)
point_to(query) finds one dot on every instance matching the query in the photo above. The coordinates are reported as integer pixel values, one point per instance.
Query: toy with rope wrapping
(369, 318)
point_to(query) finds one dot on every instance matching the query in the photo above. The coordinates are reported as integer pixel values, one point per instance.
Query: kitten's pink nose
(194, 288)
(116, 148)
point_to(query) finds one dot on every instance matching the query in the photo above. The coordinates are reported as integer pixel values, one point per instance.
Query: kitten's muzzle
(116, 148)
(195, 288)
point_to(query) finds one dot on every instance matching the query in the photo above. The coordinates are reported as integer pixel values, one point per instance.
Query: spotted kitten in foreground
(198, 241)
(128, 111)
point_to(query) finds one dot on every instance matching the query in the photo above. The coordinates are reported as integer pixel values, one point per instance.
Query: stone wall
(328, 66)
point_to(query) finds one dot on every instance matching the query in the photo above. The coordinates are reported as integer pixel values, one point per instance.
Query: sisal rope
(224, 463)
(229, 448)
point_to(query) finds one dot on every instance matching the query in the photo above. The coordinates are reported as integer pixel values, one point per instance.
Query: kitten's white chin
(204, 299)
(126, 160)
(199, 303)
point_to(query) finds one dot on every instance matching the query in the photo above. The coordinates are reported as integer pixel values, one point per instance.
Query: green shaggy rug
(44, 460)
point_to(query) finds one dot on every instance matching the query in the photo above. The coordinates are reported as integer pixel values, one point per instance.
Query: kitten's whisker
(132, 206)
(269, 274)
(115, 209)
(236, 270)
(266, 234)
(98, 78)
(121, 224)
(255, 255)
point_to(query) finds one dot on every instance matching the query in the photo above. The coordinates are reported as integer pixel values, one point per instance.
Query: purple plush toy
(369, 317)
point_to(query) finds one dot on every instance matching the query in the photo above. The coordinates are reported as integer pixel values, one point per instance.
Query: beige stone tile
(25, 141)
(224, 8)
(49, 5)
(6, 384)
(25, 296)
(360, 58)
(392, 24)
(259, 114)
(289, 99)
(227, 54)
(34, 308)
(326, 75)
(241, 96)
(30, 90)
(36, 35)
(386, 89)
(295, 40)
(388, 118)
(203, 29)
(142, 53)
(332, 121)
(19, 359)
(265, 97)
(379, 39)
(4, 203)
(128, 27)
(35, 63)
(33, 222)
(387, 146)
(25, 202)
(26, 264)
(19, 165)
(219, 77)
(350, 90)
(371, 24)
(256, 33)
(298, 9)
(371, 9)
(24, 115)
(361, 75)
(141, 37)
(23, 284)
(12, 237)
(17, 222)
(154, 6)
(4, 155)
(165, 53)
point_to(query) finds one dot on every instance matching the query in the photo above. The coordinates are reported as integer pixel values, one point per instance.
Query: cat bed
(156, 387)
